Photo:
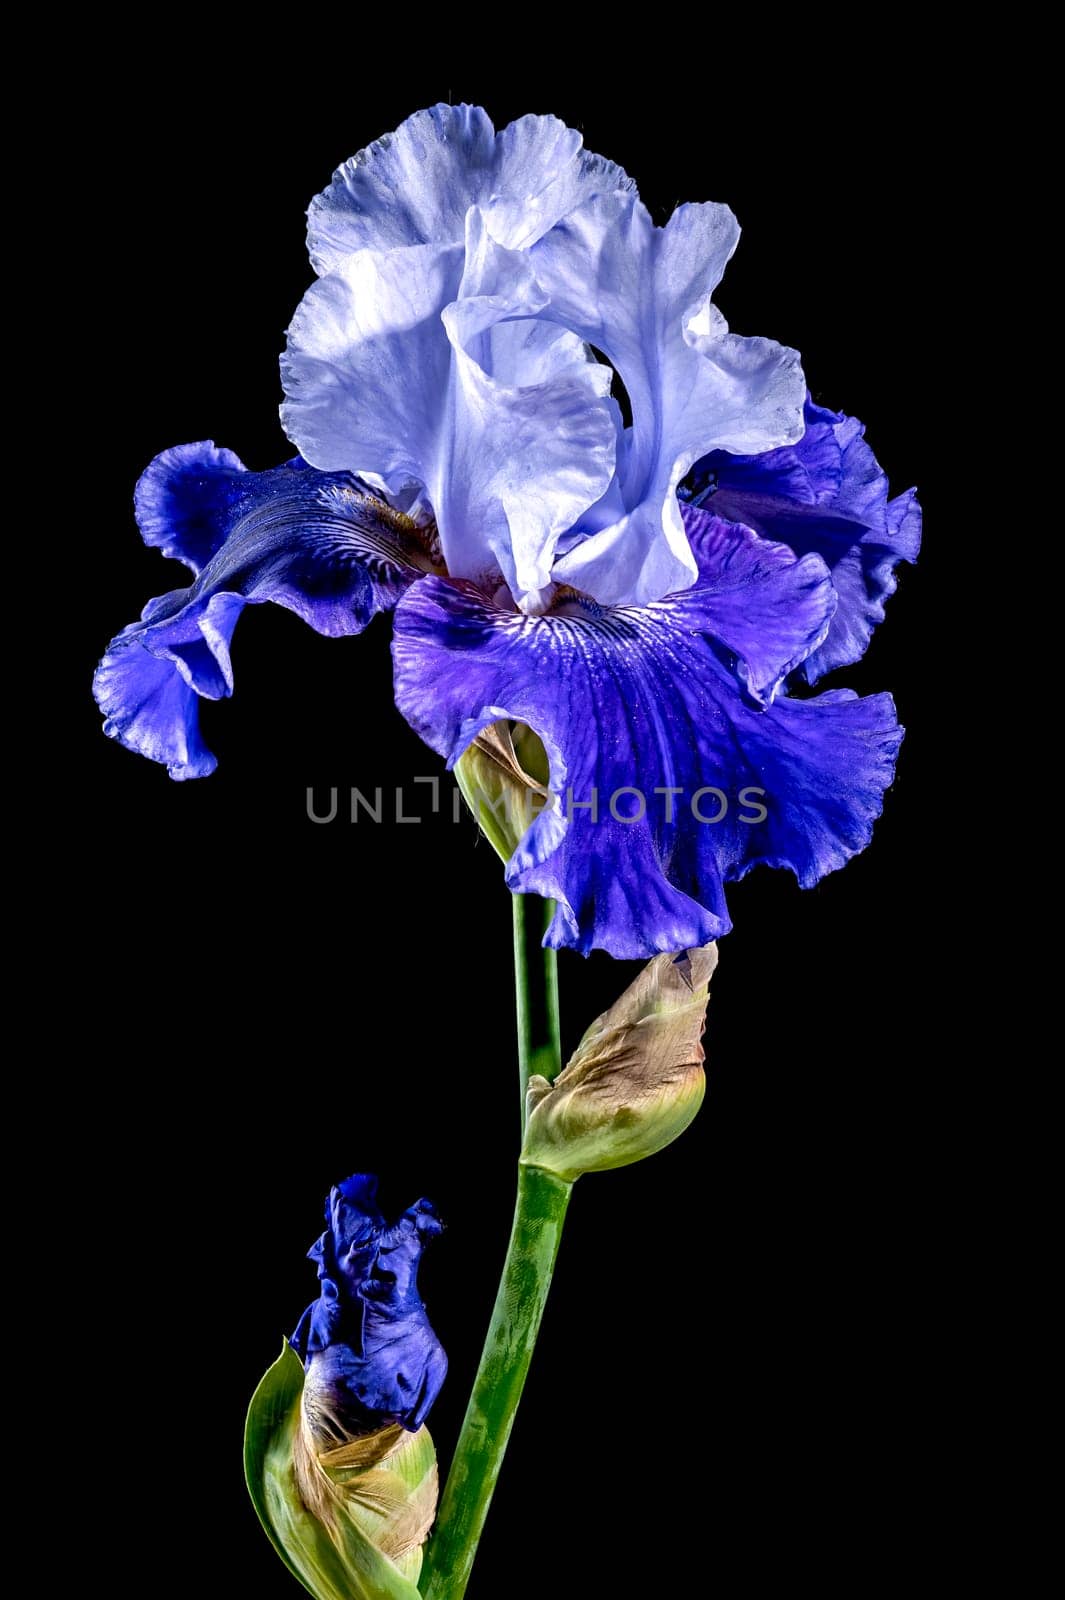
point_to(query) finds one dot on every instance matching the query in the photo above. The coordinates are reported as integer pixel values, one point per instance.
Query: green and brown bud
(636, 1079)
(349, 1517)
(503, 777)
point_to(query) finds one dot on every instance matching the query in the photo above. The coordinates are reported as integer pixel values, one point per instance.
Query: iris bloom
(370, 1356)
(642, 596)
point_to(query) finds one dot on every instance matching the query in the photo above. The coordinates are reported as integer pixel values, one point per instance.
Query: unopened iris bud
(340, 1467)
(503, 776)
(636, 1079)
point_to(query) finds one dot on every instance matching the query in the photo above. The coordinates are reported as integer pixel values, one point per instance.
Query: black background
(742, 1349)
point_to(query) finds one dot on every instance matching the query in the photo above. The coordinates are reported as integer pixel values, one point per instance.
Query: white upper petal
(444, 348)
(415, 186)
(367, 366)
(642, 295)
(428, 364)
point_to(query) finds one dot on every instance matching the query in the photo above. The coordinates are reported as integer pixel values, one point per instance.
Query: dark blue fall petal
(318, 543)
(633, 701)
(827, 495)
(185, 498)
(366, 1341)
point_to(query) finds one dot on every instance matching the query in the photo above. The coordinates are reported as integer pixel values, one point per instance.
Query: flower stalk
(530, 1263)
(536, 994)
(539, 1213)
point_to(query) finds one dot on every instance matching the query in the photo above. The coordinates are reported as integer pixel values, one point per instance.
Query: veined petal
(428, 365)
(666, 780)
(765, 604)
(416, 185)
(825, 494)
(642, 295)
(316, 543)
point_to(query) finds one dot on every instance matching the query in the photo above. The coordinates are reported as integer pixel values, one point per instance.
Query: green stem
(538, 1217)
(536, 993)
(519, 1307)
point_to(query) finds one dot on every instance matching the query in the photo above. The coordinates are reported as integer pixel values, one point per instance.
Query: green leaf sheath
(519, 1308)
(359, 1571)
(536, 991)
(273, 1417)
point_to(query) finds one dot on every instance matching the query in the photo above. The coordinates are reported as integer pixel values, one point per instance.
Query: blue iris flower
(647, 597)
(370, 1356)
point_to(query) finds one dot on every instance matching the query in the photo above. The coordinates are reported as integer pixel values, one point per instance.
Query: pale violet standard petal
(828, 494)
(434, 365)
(316, 543)
(641, 295)
(416, 185)
(673, 769)
(513, 454)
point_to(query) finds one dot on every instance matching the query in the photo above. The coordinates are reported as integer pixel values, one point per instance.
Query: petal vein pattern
(644, 710)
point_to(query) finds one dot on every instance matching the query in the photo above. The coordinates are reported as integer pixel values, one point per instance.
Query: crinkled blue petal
(316, 543)
(415, 186)
(828, 494)
(631, 702)
(366, 1341)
